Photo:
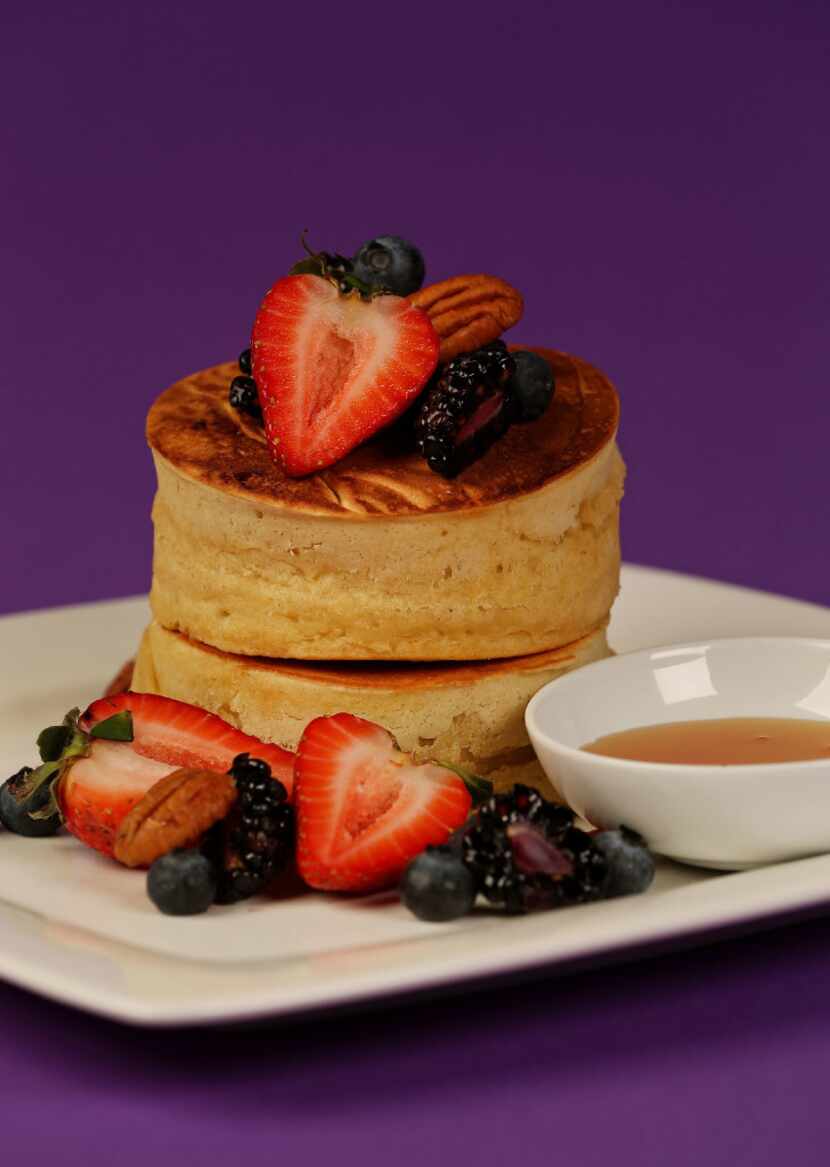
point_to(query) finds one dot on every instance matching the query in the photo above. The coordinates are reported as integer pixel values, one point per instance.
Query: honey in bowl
(724, 741)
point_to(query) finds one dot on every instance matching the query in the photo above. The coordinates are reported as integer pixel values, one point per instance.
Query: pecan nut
(469, 311)
(175, 812)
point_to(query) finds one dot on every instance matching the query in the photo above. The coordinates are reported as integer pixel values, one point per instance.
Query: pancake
(470, 715)
(377, 557)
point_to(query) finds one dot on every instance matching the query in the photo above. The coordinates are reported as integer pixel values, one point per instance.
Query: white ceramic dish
(730, 817)
(81, 931)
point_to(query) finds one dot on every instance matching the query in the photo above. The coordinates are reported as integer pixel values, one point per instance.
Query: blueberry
(630, 863)
(182, 883)
(532, 385)
(437, 886)
(17, 800)
(245, 362)
(244, 397)
(390, 262)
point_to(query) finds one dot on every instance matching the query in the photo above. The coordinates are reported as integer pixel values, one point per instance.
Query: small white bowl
(712, 816)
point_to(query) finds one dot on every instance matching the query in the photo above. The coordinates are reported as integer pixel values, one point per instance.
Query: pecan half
(175, 812)
(469, 311)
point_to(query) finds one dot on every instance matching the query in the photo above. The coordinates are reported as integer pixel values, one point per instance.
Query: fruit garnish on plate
(525, 854)
(438, 885)
(630, 863)
(256, 841)
(366, 816)
(179, 734)
(333, 364)
(183, 882)
(28, 801)
(249, 838)
(364, 809)
(98, 766)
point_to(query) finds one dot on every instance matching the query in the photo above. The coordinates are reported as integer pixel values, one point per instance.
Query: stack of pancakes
(435, 608)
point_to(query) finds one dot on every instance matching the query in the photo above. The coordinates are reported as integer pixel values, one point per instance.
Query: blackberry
(244, 397)
(257, 838)
(182, 883)
(525, 854)
(468, 405)
(245, 362)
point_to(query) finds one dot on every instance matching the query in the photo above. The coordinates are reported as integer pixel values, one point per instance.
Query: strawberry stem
(52, 741)
(318, 263)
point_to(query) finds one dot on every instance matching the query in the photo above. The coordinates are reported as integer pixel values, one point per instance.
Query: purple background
(655, 178)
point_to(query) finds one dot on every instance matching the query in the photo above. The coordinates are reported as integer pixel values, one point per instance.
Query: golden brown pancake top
(193, 427)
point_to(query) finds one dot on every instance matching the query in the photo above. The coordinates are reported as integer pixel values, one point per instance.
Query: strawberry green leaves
(59, 746)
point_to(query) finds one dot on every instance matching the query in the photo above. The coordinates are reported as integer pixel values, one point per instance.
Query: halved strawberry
(183, 735)
(97, 792)
(100, 788)
(332, 368)
(363, 808)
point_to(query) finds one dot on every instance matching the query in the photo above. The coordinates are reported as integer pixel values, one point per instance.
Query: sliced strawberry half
(98, 790)
(184, 735)
(332, 369)
(363, 808)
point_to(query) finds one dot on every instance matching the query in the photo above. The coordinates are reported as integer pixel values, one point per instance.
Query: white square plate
(79, 929)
